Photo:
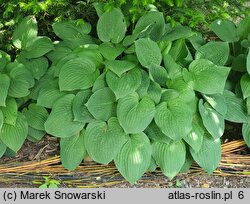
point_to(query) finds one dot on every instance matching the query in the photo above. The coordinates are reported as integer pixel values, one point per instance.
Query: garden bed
(34, 161)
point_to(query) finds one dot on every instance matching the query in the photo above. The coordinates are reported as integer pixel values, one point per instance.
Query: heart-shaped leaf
(209, 155)
(101, 104)
(134, 157)
(122, 86)
(170, 157)
(135, 115)
(216, 52)
(119, 66)
(14, 136)
(38, 47)
(195, 137)
(111, 26)
(10, 111)
(77, 74)
(104, 140)
(148, 52)
(81, 113)
(218, 102)
(236, 108)
(60, 122)
(212, 120)
(206, 77)
(225, 30)
(174, 119)
(25, 32)
(36, 116)
(72, 150)
(70, 29)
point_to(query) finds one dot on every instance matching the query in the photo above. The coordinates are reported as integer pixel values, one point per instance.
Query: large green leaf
(37, 67)
(170, 157)
(25, 32)
(154, 92)
(14, 136)
(111, 51)
(35, 135)
(119, 66)
(4, 87)
(10, 111)
(243, 28)
(154, 19)
(148, 52)
(145, 82)
(173, 68)
(216, 52)
(49, 93)
(158, 74)
(38, 47)
(134, 157)
(72, 150)
(178, 32)
(101, 104)
(246, 133)
(245, 85)
(36, 116)
(111, 26)
(225, 30)
(209, 155)
(60, 122)
(135, 115)
(155, 134)
(81, 113)
(68, 30)
(77, 74)
(212, 120)
(239, 63)
(21, 80)
(104, 140)
(218, 102)
(60, 51)
(174, 119)
(100, 82)
(236, 108)
(122, 86)
(90, 52)
(179, 50)
(206, 77)
(195, 137)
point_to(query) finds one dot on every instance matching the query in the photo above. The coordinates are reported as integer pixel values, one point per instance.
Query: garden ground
(18, 172)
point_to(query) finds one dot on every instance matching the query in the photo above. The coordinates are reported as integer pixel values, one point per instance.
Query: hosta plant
(17, 78)
(237, 94)
(156, 96)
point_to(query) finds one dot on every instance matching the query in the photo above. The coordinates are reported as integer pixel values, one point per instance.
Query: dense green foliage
(196, 13)
(153, 96)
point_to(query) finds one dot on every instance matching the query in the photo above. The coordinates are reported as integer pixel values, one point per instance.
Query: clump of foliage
(155, 96)
(238, 37)
(194, 13)
(197, 14)
(46, 13)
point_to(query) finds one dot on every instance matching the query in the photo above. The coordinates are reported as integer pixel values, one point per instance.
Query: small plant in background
(48, 183)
